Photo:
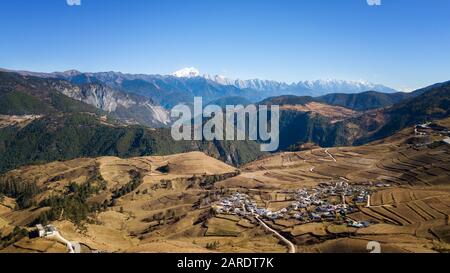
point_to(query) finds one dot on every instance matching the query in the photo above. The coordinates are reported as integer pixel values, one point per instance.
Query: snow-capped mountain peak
(219, 79)
(310, 87)
(188, 72)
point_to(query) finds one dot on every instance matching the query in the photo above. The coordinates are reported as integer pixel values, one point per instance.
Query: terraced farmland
(171, 208)
(416, 205)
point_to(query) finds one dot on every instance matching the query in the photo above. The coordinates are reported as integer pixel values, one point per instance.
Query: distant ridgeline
(328, 122)
(84, 118)
(72, 135)
(67, 128)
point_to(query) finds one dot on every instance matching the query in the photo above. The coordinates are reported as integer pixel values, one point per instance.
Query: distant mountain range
(61, 120)
(77, 114)
(360, 102)
(301, 88)
(327, 121)
(183, 85)
(127, 107)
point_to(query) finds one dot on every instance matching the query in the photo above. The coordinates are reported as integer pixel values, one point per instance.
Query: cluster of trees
(212, 246)
(74, 135)
(23, 192)
(135, 182)
(207, 181)
(74, 205)
(162, 217)
(168, 217)
(203, 218)
(15, 236)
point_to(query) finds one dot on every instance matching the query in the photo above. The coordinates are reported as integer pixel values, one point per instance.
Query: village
(330, 202)
(430, 128)
(426, 130)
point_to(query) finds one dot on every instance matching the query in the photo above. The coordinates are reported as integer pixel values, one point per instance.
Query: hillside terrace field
(171, 208)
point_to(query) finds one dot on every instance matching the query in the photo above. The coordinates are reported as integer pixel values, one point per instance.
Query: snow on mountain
(341, 86)
(183, 85)
(188, 72)
(313, 88)
(219, 79)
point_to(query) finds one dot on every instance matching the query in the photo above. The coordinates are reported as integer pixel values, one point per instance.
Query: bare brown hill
(166, 204)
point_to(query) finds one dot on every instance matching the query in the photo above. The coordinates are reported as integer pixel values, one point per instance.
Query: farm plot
(219, 227)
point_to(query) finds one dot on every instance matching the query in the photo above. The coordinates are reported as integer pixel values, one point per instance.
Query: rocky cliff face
(131, 109)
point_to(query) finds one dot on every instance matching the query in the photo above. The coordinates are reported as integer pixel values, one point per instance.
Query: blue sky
(402, 43)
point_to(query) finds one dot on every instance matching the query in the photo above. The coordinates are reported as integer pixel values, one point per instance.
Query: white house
(41, 230)
(46, 231)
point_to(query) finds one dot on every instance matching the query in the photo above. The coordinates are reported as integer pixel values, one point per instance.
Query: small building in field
(40, 230)
(46, 231)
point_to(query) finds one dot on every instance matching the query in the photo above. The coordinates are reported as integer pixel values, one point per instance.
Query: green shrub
(212, 246)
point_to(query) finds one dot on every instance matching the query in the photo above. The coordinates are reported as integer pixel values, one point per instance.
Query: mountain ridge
(181, 86)
(129, 108)
(299, 125)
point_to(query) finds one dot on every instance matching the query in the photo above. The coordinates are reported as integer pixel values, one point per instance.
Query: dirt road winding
(289, 244)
